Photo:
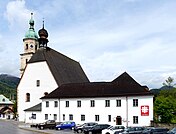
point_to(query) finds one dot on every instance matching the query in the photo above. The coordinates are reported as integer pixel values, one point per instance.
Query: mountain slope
(8, 85)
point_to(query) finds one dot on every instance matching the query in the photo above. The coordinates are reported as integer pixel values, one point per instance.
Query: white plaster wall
(90, 112)
(136, 111)
(33, 121)
(51, 110)
(103, 111)
(33, 72)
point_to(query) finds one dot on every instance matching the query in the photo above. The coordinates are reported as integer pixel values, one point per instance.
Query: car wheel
(79, 131)
(58, 128)
(90, 132)
(41, 127)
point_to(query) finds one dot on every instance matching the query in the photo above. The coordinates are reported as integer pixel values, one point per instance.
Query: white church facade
(55, 87)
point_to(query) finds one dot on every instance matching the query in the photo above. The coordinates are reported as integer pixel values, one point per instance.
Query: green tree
(165, 106)
(169, 82)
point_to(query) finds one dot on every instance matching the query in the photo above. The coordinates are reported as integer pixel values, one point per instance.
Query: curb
(28, 129)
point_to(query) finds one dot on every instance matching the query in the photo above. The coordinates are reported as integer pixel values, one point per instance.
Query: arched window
(26, 46)
(27, 97)
(45, 93)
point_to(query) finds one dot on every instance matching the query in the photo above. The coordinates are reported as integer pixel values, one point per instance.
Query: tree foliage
(169, 82)
(165, 106)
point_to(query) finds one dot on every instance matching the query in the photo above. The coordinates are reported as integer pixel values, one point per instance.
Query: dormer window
(3, 100)
(45, 93)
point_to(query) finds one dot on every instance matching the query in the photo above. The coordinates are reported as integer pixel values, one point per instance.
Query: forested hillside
(8, 85)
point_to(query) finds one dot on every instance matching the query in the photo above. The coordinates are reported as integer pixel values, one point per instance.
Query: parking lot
(45, 131)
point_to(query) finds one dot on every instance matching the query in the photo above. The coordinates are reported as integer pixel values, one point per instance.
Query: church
(55, 87)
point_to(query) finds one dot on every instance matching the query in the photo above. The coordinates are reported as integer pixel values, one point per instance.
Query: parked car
(48, 124)
(80, 128)
(131, 130)
(96, 129)
(113, 129)
(155, 131)
(172, 131)
(66, 125)
(34, 125)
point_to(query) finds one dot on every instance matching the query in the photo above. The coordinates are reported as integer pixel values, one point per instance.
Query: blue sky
(107, 37)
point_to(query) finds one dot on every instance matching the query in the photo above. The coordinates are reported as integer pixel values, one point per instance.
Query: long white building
(54, 86)
(120, 102)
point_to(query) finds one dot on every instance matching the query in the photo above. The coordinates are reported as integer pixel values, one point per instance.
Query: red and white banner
(145, 110)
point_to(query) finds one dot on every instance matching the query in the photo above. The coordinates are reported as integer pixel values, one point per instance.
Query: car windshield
(174, 129)
(110, 127)
(130, 129)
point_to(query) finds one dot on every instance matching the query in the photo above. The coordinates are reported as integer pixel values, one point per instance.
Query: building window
(97, 118)
(82, 117)
(46, 116)
(33, 116)
(71, 117)
(135, 119)
(67, 104)
(63, 117)
(107, 103)
(92, 103)
(35, 47)
(26, 46)
(78, 103)
(47, 103)
(55, 116)
(109, 118)
(27, 97)
(38, 83)
(3, 100)
(118, 103)
(135, 102)
(55, 103)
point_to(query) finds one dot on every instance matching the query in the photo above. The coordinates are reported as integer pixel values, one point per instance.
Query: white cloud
(107, 38)
(17, 14)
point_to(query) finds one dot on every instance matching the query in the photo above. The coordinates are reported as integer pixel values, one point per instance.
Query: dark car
(96, 129)
(172, 131)
(155, 131)
(131, 130)
(66, 125)
(80, 128)
(48, 124)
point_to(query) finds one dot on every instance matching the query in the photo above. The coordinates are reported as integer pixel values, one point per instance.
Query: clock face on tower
(31, 45)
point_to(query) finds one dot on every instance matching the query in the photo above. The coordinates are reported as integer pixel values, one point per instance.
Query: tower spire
(43, 23)
(43, 34)
(31, 22)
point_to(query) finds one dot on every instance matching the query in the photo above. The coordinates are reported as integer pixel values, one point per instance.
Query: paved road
(8, 127)
(14, 127)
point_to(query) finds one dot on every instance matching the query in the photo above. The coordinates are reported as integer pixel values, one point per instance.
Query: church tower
(43, 35)
(30, 43)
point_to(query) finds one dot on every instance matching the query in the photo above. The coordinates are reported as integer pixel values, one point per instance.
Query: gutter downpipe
(126, 111)
(59, 111)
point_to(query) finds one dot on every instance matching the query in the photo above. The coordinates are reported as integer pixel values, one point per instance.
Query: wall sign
(145, 110)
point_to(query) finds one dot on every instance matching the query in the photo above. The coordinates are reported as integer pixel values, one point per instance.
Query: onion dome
(43, 34)
(31, 32)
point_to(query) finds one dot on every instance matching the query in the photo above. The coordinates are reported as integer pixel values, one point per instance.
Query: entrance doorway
(118, 120)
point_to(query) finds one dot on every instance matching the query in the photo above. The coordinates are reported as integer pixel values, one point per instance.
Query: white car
(112, 129)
